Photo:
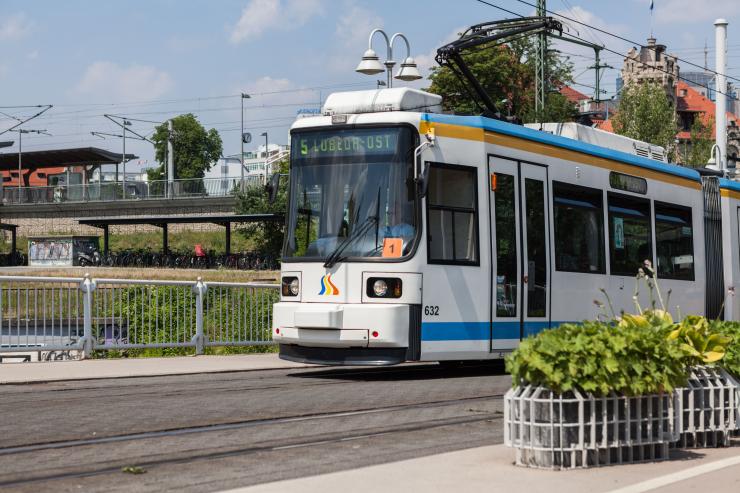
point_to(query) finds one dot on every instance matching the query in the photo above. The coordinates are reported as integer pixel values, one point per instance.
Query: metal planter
(709, 408)
(576, 430)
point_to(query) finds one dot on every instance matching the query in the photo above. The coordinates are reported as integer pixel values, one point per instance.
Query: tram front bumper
(337, 325)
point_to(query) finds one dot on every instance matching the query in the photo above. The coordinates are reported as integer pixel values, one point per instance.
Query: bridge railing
(133, 190)
(86, 315)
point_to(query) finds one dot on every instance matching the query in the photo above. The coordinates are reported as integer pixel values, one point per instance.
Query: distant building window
(687, 120)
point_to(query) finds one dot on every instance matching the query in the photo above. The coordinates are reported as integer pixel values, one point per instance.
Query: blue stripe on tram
(477, 331)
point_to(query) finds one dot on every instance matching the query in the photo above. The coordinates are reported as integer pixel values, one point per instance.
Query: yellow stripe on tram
(479, 134)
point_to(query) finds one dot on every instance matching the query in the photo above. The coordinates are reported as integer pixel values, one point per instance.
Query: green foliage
(163, 314)
(506, 72)
(195, 149)
(700, 343)
(645, 114)
(267, 237)
(596, 357)
(731, 360)
(702, 139)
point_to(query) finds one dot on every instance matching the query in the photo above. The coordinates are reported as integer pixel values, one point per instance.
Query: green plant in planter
(731, 330)
(597, 357)
(698, 341)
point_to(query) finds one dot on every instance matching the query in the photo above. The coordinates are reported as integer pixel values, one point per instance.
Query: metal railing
(85, 314)
(134, 190)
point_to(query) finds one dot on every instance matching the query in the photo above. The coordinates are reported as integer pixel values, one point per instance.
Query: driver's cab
(353, 229)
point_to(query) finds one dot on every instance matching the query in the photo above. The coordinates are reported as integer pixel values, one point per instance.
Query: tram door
(521, 261)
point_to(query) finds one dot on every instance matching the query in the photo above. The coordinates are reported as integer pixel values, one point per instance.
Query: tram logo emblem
(327, 287)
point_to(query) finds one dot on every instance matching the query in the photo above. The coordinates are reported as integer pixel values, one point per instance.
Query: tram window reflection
(506, 248)
(579, 229)
(674, 242)
(452, 213)
(630, 241)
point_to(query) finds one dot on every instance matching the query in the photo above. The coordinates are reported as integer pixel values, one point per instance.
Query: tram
(413, 235)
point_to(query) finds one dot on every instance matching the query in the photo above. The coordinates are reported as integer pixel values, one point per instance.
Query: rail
(86, 314)
(134, 190)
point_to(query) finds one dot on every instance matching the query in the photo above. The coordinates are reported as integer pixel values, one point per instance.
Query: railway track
(304, 441)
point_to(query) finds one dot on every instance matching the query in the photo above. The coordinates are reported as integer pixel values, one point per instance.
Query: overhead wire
(605, 48)
(617, 36)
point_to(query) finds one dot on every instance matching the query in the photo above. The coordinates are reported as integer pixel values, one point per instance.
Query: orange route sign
(392, 247)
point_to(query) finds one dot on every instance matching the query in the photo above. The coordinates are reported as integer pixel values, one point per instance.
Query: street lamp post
(264, 134)
(126, 123)
(715, 163)
(242, 139)
(370, 64)
(22, 131)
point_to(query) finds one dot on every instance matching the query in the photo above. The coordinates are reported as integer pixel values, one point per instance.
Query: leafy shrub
(632, 358)
(731, 361)
(700, 341)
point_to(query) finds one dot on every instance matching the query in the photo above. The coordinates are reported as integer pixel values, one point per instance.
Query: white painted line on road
(689, 473)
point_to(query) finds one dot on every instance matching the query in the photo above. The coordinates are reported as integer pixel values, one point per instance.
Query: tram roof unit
(424, 109)
(602, 138)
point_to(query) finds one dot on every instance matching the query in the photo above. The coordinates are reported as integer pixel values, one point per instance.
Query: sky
(154, 59)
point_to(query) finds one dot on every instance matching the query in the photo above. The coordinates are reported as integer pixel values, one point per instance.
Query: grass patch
(182, 241)
(148, 273)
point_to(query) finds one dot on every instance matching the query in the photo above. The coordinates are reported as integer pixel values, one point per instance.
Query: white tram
(417, 236)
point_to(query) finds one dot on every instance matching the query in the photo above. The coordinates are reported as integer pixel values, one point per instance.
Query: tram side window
(506, 258)
(630, 241)
(452, 215)
(579, 229)
(674, 242)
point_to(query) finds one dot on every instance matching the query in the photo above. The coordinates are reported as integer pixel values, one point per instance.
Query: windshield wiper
(358, 232)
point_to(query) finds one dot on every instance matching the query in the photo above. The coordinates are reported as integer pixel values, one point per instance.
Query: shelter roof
(54, 158)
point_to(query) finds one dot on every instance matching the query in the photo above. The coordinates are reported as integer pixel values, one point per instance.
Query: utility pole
(123, 157)
(721, 108)
(540, 79)
(241, 139)
(264, 134)
(597, 66)
(170, 161)
(22, 131)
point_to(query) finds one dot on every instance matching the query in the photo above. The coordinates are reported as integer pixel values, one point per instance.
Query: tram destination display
(334, 144)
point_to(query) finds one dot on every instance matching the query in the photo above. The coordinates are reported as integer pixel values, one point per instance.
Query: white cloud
(110, 82)
(692, 11)
(15, 27)
(355, 23)
(582, 20)
(426, 61)
(353, 27)
(260, 16)
(270, 91)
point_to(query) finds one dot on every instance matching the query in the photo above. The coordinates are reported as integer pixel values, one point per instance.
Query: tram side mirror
(422, 182)
(272, 188)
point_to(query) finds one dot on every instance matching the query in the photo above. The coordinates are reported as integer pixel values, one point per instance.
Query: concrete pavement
(138, 367)
(491, 469)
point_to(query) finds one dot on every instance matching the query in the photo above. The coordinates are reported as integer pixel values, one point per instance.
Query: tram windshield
(352, 193)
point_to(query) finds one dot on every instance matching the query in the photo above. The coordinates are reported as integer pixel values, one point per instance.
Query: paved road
(210, 432)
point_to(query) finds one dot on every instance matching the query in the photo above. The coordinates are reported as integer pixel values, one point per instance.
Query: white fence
(85, 314)
(133, 190)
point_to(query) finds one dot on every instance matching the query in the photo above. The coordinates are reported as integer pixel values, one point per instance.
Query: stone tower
(652, 64)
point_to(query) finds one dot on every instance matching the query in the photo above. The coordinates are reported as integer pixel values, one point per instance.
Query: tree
(506, 71)
(268, 236)
(702, 139)
(644, 113)
(195, 149)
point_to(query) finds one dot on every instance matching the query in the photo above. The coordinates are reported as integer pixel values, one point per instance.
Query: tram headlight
(291, 286)
(380, 288)
(384, 287)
